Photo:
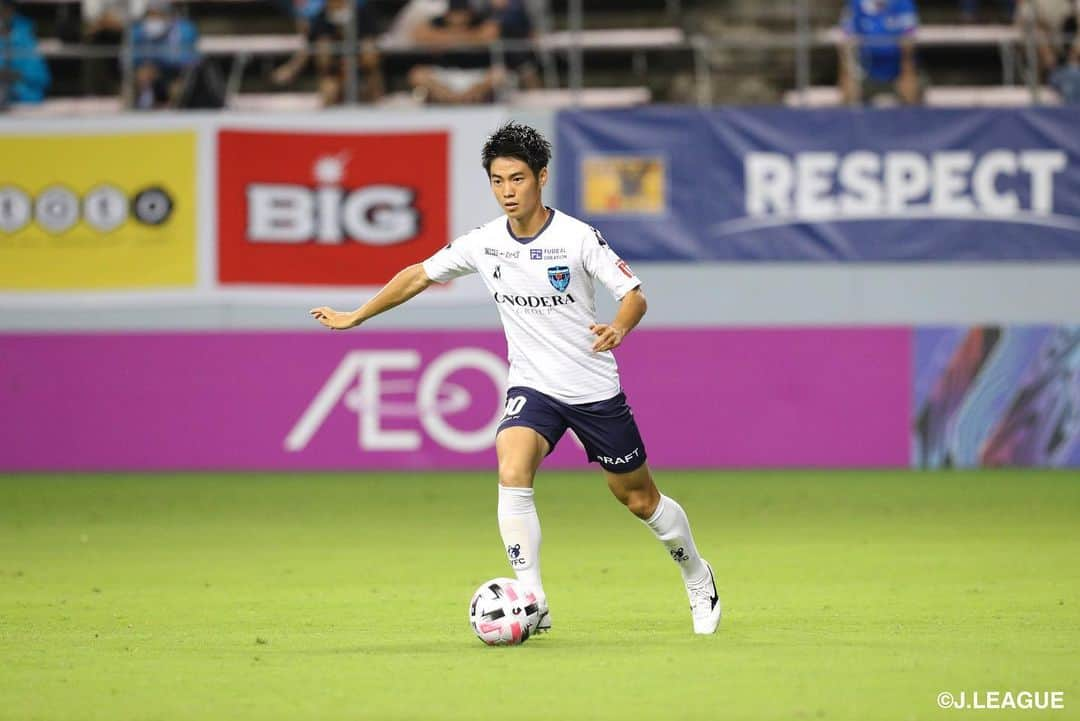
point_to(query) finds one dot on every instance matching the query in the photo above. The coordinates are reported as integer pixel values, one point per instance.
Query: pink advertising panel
(431, 399)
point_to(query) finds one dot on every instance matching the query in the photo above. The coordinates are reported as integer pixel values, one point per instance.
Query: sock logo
(514, 554)
(679, 555)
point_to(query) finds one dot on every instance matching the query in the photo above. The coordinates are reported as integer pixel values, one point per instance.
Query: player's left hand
(608, 336)
(334, 319)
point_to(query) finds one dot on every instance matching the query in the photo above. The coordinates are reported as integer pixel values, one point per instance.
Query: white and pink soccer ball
(503, 613)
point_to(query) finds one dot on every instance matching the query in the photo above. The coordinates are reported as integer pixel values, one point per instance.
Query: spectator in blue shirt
(878, 54)
(165, 56)
(24, 76)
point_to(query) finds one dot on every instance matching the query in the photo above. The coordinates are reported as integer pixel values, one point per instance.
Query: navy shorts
(606, 428)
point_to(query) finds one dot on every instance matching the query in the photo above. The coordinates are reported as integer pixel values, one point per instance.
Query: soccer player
(540, 267)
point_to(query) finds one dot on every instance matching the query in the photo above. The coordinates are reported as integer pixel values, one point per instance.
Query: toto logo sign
(104, 208)
(359, 385)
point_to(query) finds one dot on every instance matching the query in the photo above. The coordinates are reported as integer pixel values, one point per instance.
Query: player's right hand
(334, 319)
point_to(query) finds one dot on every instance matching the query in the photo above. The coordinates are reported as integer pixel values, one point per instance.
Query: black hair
(516, 140)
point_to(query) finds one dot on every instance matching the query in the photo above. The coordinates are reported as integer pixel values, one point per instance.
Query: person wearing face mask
(24, 76)
(165, 56)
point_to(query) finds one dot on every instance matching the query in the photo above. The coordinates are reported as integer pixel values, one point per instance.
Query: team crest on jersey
(559, 275)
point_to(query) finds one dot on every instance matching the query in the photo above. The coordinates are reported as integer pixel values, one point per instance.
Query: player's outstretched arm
(632, 309)
(407, 283)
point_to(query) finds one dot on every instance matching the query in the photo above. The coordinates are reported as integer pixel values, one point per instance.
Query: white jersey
(543, 287)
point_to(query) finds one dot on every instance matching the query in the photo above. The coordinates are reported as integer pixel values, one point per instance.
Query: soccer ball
(503, 613)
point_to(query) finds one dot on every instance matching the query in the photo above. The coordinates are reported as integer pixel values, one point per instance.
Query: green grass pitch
(848, 595)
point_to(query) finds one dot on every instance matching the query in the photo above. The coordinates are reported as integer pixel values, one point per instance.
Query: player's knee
(640, 503)
(514, 477)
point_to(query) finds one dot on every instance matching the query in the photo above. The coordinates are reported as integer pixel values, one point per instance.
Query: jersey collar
(528, 239)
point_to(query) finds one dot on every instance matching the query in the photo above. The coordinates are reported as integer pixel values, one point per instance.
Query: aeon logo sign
(358, 384)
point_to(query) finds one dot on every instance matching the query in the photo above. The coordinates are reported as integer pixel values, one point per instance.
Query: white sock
(670, 524)
(519, 525)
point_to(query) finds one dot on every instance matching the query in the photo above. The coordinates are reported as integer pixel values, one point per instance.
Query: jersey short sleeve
(602, 263)
(453, 261)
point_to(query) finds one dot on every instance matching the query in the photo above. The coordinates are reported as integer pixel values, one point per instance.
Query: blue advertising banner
(776, 184)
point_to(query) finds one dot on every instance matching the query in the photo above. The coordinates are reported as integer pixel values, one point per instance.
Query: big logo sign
(329, 208)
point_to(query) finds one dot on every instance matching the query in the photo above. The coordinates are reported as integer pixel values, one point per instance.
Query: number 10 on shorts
(514, 405)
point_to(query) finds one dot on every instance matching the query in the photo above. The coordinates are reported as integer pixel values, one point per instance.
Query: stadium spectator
(1065, 78)
(460, 76)
(511, 15)
(24, 76)
(322, 24)
(165, 56)
(970, 10)
(1053, 25)
(514, 20)
(878, 53)
(515, 26)
(414, 14)
(103, 29)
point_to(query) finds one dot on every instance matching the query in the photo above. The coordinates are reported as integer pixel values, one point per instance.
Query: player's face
(516, 187)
